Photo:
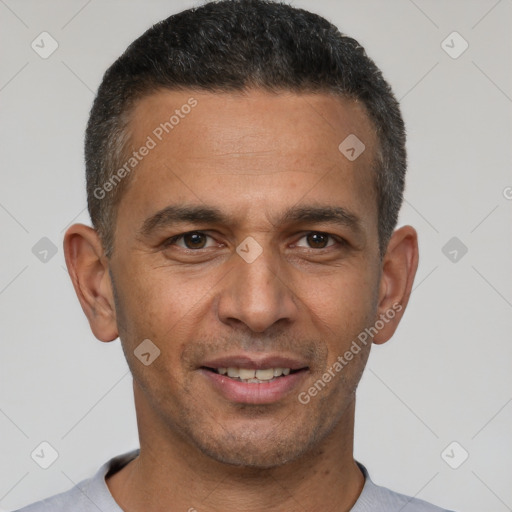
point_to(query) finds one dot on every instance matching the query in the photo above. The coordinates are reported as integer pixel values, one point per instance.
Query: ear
(88, 268)
(399, 267)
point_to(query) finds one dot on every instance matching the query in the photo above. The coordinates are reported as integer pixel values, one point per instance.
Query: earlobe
(399, 267)
(88, 269)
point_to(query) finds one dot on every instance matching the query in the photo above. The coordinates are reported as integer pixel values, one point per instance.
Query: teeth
(253, 376)
(245, 374)
(233, 372)
(264, 374)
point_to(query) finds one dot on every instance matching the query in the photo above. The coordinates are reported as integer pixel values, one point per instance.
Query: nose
(257, 294)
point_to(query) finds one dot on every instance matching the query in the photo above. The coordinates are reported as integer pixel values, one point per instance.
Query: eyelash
(172, 240)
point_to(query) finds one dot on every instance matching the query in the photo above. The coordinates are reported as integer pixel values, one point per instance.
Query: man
(245, 169)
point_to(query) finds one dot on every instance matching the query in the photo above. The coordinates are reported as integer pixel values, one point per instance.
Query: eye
(318, 240)
(191, 240)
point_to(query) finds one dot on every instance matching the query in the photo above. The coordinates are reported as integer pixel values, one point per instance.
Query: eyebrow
(171, 215)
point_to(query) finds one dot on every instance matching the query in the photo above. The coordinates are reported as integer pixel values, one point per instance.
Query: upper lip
(254, 362)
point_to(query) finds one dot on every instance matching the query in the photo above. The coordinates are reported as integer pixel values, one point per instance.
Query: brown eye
(191, 240)
(194, 240)
(317, 240)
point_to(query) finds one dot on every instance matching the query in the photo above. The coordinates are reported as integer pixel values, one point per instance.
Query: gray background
(444, 377)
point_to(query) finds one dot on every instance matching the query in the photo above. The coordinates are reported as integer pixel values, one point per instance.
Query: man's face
(268, 276)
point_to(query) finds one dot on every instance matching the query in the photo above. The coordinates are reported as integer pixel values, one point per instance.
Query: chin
(252, 458)
(256, 449)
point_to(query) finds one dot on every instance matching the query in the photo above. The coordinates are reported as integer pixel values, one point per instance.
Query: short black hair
(236, 45)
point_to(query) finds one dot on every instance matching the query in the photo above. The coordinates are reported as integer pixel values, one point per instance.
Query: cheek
(342, 308)
(163, 305)
(343, 295)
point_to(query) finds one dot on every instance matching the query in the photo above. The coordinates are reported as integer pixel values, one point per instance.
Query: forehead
(247, 122)
(253, 146)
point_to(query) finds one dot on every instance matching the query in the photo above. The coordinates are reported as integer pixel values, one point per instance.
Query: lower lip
(254, 393)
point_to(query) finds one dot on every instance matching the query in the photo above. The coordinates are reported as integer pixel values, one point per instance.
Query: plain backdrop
(445, 376)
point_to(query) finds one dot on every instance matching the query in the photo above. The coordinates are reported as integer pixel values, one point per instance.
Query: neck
(169, 473)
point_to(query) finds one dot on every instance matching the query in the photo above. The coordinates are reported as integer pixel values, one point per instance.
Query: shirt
(93, 494)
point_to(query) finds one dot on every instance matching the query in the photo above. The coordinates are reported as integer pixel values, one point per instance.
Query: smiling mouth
(254, 376)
